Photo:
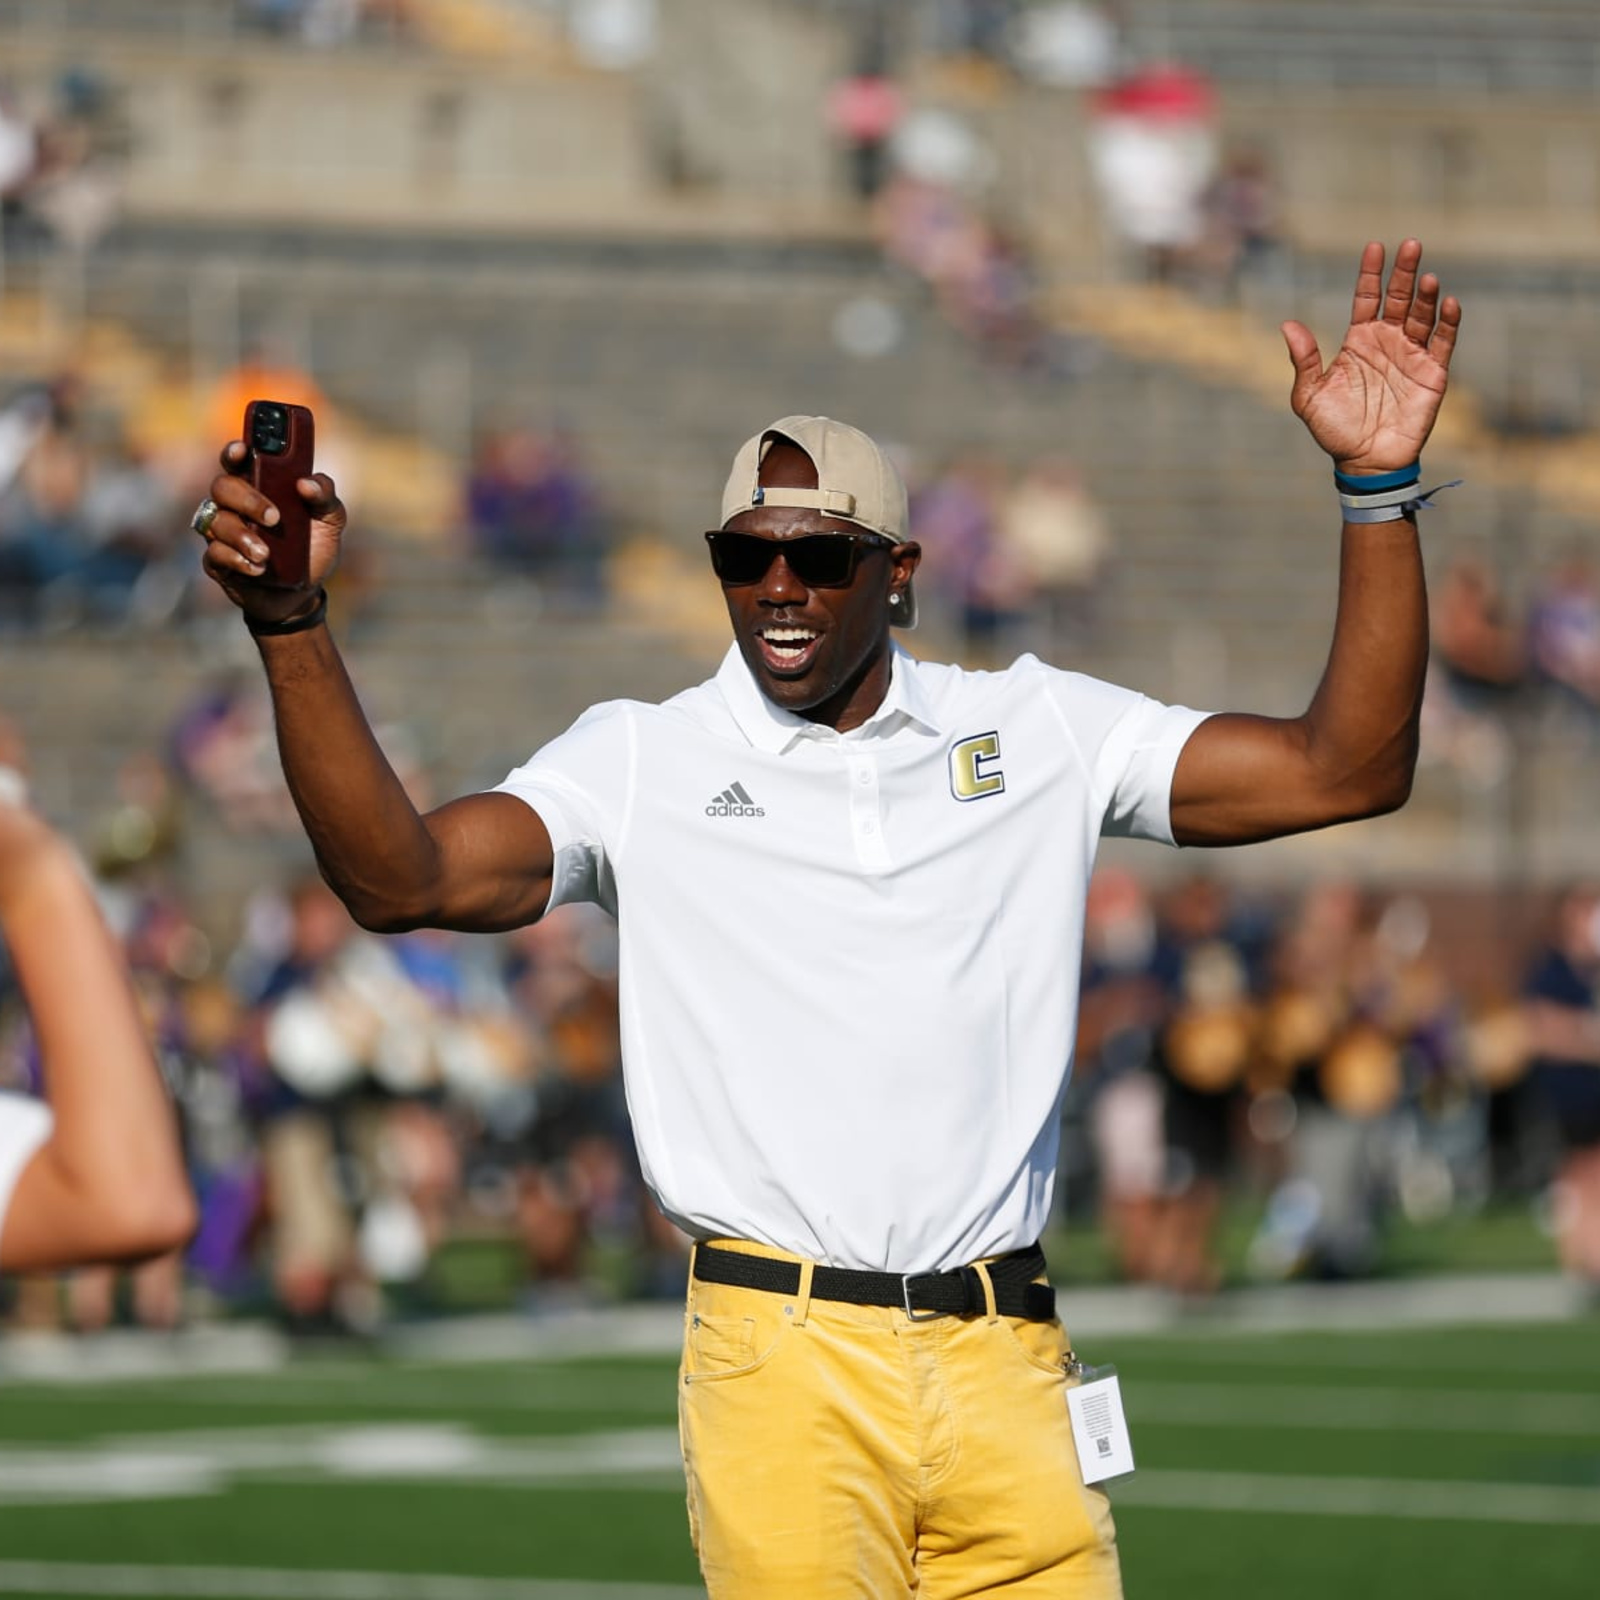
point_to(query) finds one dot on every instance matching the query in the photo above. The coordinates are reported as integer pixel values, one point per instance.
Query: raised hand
(235, 549)
(1374, 407)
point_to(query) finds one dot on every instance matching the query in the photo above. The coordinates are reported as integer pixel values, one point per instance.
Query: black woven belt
(922, 1295)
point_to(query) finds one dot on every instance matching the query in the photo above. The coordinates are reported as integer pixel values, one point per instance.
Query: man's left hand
(1374, 407)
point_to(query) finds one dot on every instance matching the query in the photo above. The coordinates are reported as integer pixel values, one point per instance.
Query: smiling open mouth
(788, 649)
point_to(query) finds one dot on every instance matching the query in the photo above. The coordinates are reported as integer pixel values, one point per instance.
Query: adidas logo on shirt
(734, 802)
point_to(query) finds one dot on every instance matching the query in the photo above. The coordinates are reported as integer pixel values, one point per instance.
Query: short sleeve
(580, 785)
(1130, 745)
(24, 1127)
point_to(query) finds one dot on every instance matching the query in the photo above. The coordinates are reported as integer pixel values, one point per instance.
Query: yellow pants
(839, 1452)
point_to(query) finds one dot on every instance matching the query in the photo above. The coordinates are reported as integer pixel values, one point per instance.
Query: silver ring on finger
(204, 515)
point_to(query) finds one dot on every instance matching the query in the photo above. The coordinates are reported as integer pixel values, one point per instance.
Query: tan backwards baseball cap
(856, 482)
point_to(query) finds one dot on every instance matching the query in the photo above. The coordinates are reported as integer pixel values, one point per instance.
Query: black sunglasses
(818, 560)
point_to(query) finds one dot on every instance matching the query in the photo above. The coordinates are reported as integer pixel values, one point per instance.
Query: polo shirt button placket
(865, 821)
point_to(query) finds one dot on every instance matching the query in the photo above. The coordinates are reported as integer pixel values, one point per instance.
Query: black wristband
(314, 618)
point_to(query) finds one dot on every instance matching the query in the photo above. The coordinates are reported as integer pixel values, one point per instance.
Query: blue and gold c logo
(968, 779)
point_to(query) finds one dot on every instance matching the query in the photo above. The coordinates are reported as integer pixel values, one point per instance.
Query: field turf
(1422, 1462)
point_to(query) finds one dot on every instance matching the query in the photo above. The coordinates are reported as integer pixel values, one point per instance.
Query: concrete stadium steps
(660, 358)
(471, 25)
(1465, 44)
(211, 19)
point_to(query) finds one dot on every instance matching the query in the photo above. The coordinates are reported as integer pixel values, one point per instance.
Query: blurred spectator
(614, 35)
(577, 1180)
(1349, 996)
(1204, 1050)
(1067, 44)
(139, 563)
(1475, 675)
(1242, 240)
(303, 1095)
(994, 303)
(1563, 1020)
(927, 229)
(165, 952)
(1058, 535)
(88, 523)
(221, 745)
(19, 150)
(863, 111)
(1477, 642)
(359, 1168)
(62, 160)
(979, 582)
(42, 516)
(1564, 632)
(1119, 1014)
(533, 508)
(22, 423)
(1153, 153)
(978, 272)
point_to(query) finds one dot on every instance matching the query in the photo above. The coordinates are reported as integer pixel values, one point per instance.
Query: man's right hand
(235, 549)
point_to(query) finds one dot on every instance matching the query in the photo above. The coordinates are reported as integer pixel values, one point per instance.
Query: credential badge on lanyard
(1099, 1429)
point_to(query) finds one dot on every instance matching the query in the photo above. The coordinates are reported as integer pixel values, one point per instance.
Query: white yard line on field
(1555, 1413)
(391, 1392)
(1410, 1499)
(1404, 1353)
(197, 1463)
(1488, 1410)
(268, 1583)
(190, 1464)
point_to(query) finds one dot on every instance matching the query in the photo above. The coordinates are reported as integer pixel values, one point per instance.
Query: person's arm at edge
(1352, 754)
(109, 1183)
(480, 864)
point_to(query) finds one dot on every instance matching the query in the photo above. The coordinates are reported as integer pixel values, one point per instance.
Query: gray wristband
(1391, 505)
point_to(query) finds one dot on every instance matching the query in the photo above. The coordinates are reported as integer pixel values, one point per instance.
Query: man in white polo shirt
(850, 887)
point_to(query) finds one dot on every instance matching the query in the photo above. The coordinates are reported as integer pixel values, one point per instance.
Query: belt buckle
(906, 1280)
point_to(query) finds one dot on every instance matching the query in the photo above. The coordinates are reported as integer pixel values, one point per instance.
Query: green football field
(1424, 1463)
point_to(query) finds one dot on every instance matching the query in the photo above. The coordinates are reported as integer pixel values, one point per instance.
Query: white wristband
(1392, 504)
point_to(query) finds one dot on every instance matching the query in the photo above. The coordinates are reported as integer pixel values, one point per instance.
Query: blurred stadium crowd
(1324, 1059)
(364, 1115)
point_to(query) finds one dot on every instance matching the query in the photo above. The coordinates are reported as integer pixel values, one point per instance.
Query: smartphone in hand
(281, 439)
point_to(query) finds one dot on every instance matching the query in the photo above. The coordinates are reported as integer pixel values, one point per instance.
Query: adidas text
(734, 801)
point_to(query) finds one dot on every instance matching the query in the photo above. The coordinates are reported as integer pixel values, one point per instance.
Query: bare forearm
(110, 1181)
(1244, 778)
(371, 844)
(1361, 727)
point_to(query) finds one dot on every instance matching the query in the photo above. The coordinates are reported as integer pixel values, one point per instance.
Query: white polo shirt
(849, 962)
(24, 1127)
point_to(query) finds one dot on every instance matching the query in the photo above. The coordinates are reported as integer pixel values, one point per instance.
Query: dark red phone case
(282, 442)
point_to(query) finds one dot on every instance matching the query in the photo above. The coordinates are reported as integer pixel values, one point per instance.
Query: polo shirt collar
(771, 728)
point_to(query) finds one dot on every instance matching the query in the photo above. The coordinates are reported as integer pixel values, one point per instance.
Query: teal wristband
(1373, 483)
